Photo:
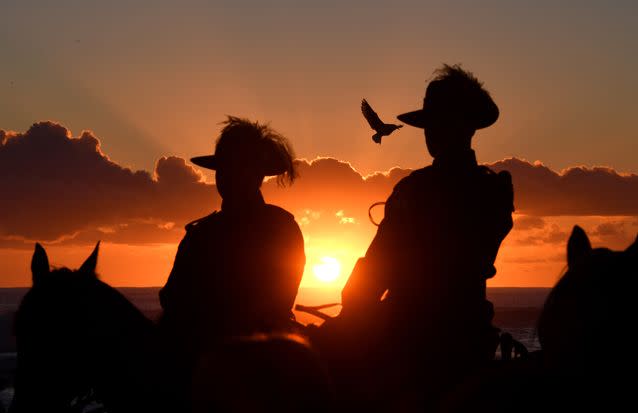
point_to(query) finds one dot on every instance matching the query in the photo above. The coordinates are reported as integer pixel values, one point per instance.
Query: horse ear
(39, 264)
(578, 246)
(89, 265)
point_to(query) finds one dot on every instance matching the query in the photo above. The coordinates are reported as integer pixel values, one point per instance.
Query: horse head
(591, 307)
(51, 345)
(75, 336)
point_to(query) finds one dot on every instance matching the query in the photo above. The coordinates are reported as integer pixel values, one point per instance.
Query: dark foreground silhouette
(262, 373)
(80, 341)
(237, 271)
(584, 324)
(76, 335)
(419, 294)
(585, 361)
(415, 331)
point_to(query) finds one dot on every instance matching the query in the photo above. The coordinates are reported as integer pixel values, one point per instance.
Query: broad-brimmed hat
(249, 144)
(459, 97)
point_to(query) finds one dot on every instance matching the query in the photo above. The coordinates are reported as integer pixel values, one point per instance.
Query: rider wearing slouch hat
(427, 266)
(237, 271)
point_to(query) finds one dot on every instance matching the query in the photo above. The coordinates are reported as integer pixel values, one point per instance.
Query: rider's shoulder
(202, 222)
(498, 184)
(278, 212)
(408, 188)
(426, 172)
(502, 177)
(281, 219)
(415, 180)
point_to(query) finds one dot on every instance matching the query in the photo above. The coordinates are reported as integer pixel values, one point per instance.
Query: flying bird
(381, 129)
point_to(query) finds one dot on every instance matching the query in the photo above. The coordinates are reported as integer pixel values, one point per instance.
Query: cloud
(343, 219)
(617, 232)
(527, 222)
(327, 184)
(552, 234)
(63, 189)
(331, 196)
(524, 260)
(555, 236)
(53, 185)
(540, 191)
(610, 229)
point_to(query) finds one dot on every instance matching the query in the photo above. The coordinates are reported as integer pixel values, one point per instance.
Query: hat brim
(208, 161)
(415, 118)
(419, 118)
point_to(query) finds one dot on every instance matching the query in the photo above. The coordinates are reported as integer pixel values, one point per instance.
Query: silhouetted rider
(436, 246)
(237, 271)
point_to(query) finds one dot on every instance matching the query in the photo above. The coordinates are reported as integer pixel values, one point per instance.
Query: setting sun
(328, 270)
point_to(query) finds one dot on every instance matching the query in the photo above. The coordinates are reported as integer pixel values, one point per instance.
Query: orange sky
(156, 80)
(129, 265)
(65, 192)
(153, 83)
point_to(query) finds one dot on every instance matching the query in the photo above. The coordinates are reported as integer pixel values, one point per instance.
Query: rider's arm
(369, 279)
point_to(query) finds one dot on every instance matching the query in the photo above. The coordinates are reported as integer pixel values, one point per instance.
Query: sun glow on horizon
(328, 270)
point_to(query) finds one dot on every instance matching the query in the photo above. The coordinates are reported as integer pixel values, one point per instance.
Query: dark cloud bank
(54, 187)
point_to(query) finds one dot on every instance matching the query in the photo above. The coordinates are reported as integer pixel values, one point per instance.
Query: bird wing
(371, 116)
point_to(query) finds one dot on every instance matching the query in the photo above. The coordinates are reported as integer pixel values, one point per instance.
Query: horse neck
(124, 359)
(117, 319)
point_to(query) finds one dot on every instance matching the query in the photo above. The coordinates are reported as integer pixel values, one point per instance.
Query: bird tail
(377, 138)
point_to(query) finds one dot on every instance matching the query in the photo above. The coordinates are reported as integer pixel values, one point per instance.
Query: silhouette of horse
(367, 361)
(593, 303)
(584, 361)
(80, 341)
(270, 372)
(586, 316)
(76, 336)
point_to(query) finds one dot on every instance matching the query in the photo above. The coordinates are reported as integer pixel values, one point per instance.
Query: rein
(376, 224)
(315, 310)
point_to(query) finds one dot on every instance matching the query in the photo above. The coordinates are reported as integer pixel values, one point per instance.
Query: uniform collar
(456, 160)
